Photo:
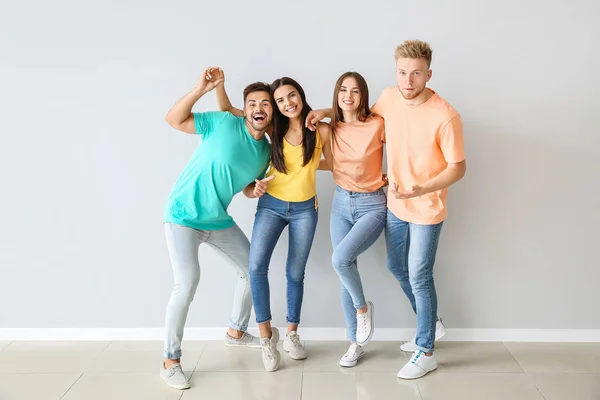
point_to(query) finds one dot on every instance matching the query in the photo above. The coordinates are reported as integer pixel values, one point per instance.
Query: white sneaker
(354, 353)
(270, 355)
(440, 332)
(174, 377)
(247, 340)
(294, 347)
(365, 325)
(418, 366)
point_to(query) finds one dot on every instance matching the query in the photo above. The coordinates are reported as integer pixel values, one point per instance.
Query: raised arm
(180, 115)
(223, 102)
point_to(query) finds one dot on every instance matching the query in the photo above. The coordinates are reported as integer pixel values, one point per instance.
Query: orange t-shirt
(421, 141)
(357, 149)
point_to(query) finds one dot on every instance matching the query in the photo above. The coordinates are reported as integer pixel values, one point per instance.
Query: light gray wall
(87, 161)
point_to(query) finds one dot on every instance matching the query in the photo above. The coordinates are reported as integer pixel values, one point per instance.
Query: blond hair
(414, 49)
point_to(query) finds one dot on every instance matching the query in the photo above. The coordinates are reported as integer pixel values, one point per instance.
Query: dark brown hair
(256, 87)
(363, 110)
(281, 124)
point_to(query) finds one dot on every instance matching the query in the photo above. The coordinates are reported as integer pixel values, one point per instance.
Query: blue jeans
(411, 250)
(357, 220)
(272, 215)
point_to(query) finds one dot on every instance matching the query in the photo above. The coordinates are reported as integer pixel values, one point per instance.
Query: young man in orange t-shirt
(425, 154)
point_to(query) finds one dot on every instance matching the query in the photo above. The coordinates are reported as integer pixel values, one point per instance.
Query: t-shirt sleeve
(452, 141)
(205, 122)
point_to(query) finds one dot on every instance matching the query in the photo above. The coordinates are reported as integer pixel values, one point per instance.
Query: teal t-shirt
(227, 159)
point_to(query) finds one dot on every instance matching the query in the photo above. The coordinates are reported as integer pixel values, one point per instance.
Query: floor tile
(557, 357)
(121, 387)
(440, 386)
(357, 386)
(245, 385)
(568, 386)
(4, 344)
(49, 357)
(35, 386)
(475, 357)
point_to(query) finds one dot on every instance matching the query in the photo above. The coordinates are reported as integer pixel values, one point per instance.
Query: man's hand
(416, 191)
(211, 78)
(313, 117)
(260, 187)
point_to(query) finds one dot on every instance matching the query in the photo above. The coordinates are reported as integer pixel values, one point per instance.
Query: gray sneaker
(174, 377)
(270, 355)
(247, 340)
(294, 347)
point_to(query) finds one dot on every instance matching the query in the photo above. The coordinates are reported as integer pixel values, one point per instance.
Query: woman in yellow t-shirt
(287, 197)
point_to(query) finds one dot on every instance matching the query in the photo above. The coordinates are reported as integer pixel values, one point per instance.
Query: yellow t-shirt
(420, 142)
(299, 184)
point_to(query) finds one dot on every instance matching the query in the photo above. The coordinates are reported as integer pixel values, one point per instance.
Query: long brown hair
(281, 123)
(363, 110)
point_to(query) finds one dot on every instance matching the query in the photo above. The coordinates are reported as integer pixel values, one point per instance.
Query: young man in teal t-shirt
(232, 156)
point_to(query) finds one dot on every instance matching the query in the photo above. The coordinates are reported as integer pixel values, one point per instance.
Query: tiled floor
(467, 370)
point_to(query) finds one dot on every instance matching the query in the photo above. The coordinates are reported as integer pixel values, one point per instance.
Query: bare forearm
(324, 165)
(223, 102)
(452, 174)
(249, 191)
(183, 108)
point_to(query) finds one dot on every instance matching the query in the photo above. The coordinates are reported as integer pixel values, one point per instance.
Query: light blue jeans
(183, 243)
(411, 250)
(357, 220)
(272, 216)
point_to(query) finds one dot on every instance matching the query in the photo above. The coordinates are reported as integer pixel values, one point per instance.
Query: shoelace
(295, 340)
(416, 357)
(266, 348)
(352, 350)
(248, 336)
(361, 320)
(173, 369)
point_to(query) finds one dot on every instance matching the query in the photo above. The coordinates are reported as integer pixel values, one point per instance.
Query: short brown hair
(414, 49)
(363, 110)
(256, 87)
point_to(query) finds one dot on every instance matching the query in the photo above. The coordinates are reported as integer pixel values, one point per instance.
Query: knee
(340, 261)
(421, 282)
(258, 268)
(185, 290)
(296, 277)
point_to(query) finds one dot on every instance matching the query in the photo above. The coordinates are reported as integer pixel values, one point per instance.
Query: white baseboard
(381, 334)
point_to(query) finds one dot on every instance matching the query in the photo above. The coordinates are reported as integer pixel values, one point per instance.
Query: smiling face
(349, 95)
(288, 101)
(258, 110)
(351, 98)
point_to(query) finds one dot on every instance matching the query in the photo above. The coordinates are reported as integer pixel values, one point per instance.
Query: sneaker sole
(350, 364)
(289, 351)
(372, 326)
(178, 387)
(415, 377)
(243, 346)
